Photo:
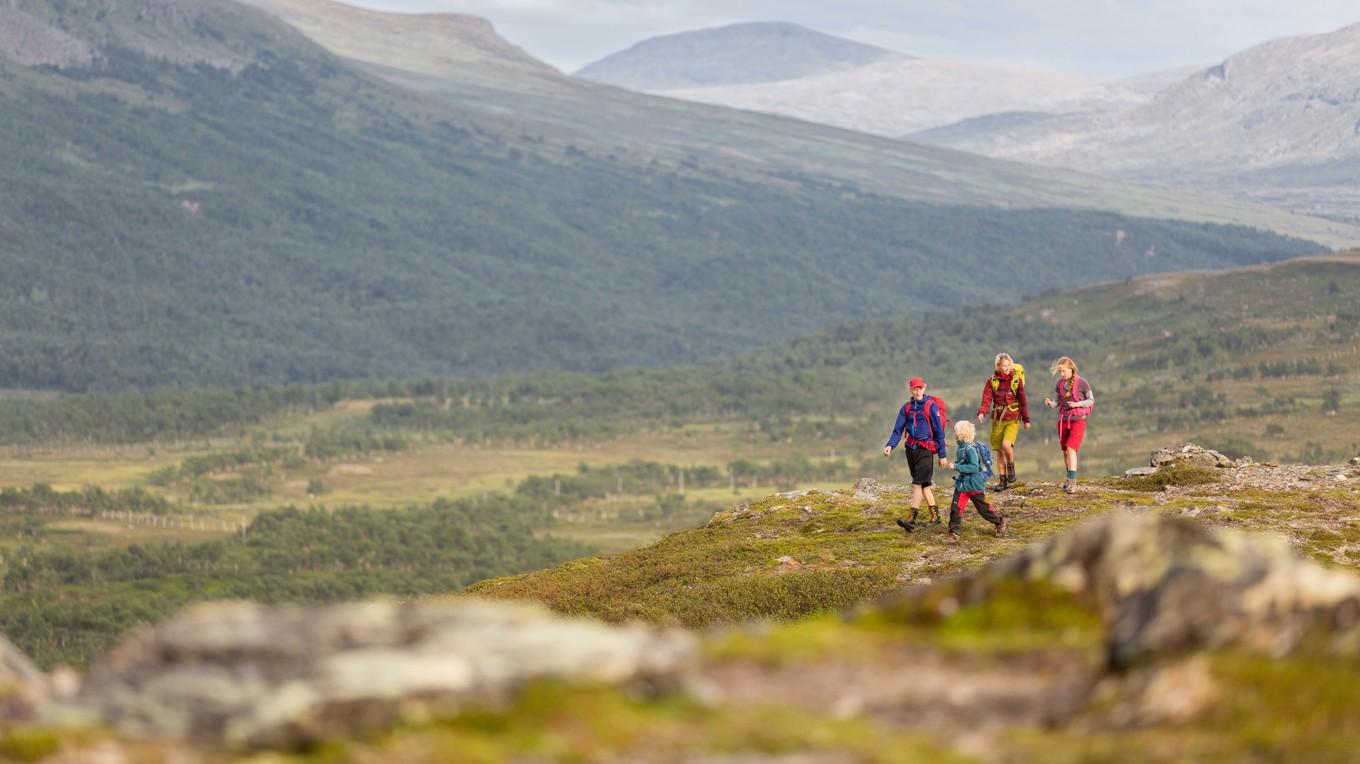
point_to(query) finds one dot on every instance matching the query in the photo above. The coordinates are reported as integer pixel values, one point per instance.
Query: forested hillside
(244, 209)
(1232, 356)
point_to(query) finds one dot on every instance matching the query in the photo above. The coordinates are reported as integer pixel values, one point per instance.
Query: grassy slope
(790, 555)
(889, 684)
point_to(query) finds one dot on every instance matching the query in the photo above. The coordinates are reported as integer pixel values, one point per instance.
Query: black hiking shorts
(921, 462)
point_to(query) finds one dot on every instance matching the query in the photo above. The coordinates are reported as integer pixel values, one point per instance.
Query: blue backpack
(984, 459)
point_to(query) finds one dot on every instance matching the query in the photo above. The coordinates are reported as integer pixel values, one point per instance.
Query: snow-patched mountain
(1278, 123)
(731, 55)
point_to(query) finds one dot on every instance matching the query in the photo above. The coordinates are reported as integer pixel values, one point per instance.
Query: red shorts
(1071, 434)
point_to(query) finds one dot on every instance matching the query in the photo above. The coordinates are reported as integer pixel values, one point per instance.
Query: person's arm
(1024, 404)
(896, 436)
(986, 399)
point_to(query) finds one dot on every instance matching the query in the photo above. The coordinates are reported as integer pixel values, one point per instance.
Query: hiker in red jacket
(1075, 401)
(1004, 395)
(920, 428)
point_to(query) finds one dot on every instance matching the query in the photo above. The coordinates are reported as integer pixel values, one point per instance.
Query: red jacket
(1009, 405)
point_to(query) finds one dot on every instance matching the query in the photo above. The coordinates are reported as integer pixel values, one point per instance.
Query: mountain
(898, 97)
(737, 54)
(640, 129)
(209, 197)
(1277, 123)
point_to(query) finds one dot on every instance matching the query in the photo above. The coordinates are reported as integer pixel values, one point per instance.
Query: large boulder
(1167, 585)
(23, 688)
(251, 675)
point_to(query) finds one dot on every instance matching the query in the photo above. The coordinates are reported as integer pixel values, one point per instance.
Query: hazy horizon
(1102, 38)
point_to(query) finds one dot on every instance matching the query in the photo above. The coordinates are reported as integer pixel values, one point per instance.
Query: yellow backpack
(1017, 379)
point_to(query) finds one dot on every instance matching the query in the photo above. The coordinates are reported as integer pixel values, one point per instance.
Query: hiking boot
(934, 515)
(906, 525)
(1003, 526)
(951, 538)
(1001, 484)
(1070, 486)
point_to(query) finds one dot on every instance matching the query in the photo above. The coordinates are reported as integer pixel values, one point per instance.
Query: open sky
(1093, 37)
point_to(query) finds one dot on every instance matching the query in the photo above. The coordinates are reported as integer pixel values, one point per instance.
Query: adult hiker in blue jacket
(920, 429)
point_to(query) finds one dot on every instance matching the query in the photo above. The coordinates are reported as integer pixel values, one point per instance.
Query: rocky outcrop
(1199, 456)
(244, 674)
(1167, 585)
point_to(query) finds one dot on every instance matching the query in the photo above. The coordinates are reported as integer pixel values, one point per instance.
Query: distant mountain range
(1277, 124)
(195, 192)
(738, 54)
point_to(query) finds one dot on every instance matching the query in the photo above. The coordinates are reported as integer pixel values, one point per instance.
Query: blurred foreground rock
(22, 685)
(1166, 585)
(243, 674)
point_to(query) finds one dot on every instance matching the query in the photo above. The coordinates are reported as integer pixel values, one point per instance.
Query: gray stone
(1167, 585)
(1140, 471)
(250, 675)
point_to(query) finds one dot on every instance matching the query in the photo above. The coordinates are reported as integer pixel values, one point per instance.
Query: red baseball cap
(916, 382)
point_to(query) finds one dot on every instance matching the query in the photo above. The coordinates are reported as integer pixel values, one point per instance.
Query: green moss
(1008, 615)
(1179, 474)
(555, 722)
(29, 744)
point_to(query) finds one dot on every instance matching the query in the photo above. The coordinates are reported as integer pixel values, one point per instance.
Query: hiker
(971, 483)
(1075, 401)
(920, 427)
(1004, 394)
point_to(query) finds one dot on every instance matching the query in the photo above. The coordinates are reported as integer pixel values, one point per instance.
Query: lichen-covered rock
(1191, 453)
(252, 675)
(1166, 585)
(22, 685)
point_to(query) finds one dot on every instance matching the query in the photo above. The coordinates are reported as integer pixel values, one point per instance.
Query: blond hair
(964, 430)
(1064, 361)
(1002, 357)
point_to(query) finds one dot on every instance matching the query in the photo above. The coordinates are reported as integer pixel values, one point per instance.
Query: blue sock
(1071, 474)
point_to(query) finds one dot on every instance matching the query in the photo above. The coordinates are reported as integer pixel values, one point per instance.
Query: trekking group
(923, 420)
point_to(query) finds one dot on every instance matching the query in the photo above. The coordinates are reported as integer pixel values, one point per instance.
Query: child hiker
(970, 484)
(1075, 402)
(920, 428)
(1004, 394)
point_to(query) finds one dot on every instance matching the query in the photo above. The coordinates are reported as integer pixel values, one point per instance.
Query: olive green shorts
(1007, 430)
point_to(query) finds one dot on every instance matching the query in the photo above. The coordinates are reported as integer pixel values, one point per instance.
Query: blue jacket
(969, 467)
(918, 429)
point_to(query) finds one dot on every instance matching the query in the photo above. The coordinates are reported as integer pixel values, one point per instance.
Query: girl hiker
(1004, 394)
(970, 485)
(1074, 403)
(921, 421)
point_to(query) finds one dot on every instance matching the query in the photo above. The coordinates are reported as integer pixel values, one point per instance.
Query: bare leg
(1070, 458)
(929, 495)
(916, 494)
(1008, 456)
